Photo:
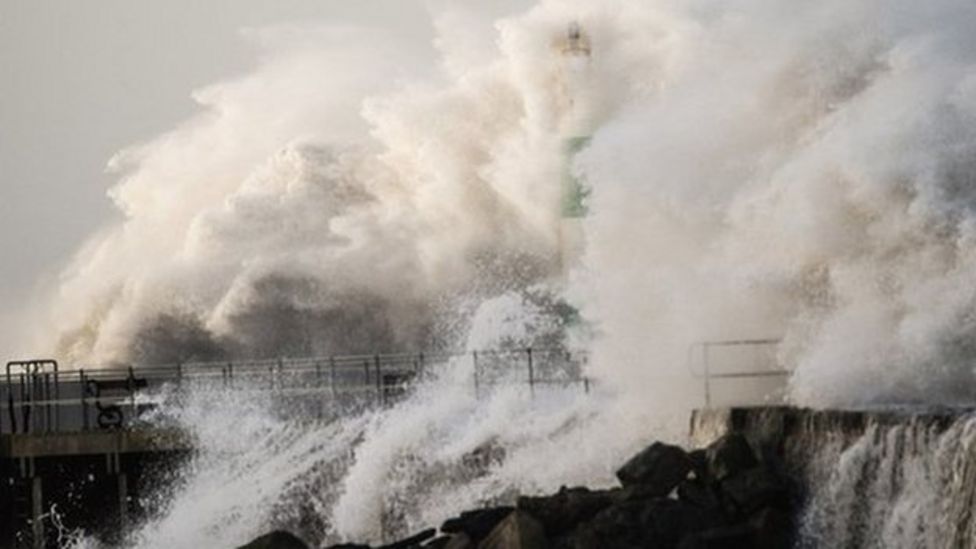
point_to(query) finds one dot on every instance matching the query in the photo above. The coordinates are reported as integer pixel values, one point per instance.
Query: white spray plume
(756, 168)
(800, 171)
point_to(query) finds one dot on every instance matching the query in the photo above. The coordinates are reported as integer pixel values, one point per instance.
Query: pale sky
(80, 80)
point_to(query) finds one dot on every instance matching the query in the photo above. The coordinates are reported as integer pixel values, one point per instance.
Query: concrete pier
(90, 480)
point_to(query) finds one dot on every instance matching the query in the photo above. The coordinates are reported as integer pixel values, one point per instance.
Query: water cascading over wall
(884, 479)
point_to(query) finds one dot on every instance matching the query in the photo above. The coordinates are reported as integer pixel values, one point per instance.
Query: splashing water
(370, 476)
(754, 170)
(900, 486)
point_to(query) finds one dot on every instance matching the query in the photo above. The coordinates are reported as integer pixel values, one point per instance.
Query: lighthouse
(575, 55)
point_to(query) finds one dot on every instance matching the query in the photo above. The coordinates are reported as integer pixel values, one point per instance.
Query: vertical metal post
(422, 366)
(528, 354)
(132, 394)
(332, 377)
(25, 411)
(586, 385)
(366, 373)
(281, 373)
(46, 395)
(84, 400)
(708, 387)
(380, 394)
(122, 485)
(230, 374)
(37, 509)
(11, 411)
(57, 398)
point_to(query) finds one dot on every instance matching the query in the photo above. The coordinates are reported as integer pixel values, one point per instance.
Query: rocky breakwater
(725, 495)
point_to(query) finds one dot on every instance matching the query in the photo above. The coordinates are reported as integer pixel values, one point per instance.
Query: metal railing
(41, 397)
(705, 364)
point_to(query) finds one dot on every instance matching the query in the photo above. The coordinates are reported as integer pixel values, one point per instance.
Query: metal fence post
(132, 393)
(332, 377)
(57, 398)
(528, 353)
(381, 396)
(48, 417)
(281, 373)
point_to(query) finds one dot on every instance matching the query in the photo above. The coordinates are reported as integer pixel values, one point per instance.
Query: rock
(476, 524)
(413, 541)
(460, 541)
(659, 522)
(278, 539)
(518, 531)
(699, 494)
(773, 529)
(444, 542)
(740, 536)
(754, 489)
(566, 509)
(699, 464)
(658, 469)
(729, 456)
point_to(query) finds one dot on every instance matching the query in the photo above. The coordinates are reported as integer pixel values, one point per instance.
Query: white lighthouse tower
(575, 53)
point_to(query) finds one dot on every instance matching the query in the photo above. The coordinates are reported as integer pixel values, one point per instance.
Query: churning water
(755, 168)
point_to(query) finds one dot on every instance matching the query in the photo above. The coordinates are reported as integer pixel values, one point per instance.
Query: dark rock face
(729, 456)
(754, 489)
(476, 524)
(724, 498)
(518, 530)
(413, 541)
(276, 540)
(657, 469)
(567, 508)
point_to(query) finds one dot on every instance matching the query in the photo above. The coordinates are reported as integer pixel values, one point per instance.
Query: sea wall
(887, 478)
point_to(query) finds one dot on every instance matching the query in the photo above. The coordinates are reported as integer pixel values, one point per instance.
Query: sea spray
(755, 170)
(370, 475)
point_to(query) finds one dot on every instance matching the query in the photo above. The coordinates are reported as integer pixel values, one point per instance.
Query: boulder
(445, 542)
(460, 541)
(412, 541)
(657, 469)
(476, 524)
(518, 531)
(278, 539)
(699, 464)
(660, 522)
(753, 489)
(773, 529)
(740, 536)
(566, 509)
(699, 494)
(617, 526)
(729, 456)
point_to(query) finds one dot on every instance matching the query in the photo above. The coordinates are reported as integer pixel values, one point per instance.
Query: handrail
(108, 391)
(707, 375)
